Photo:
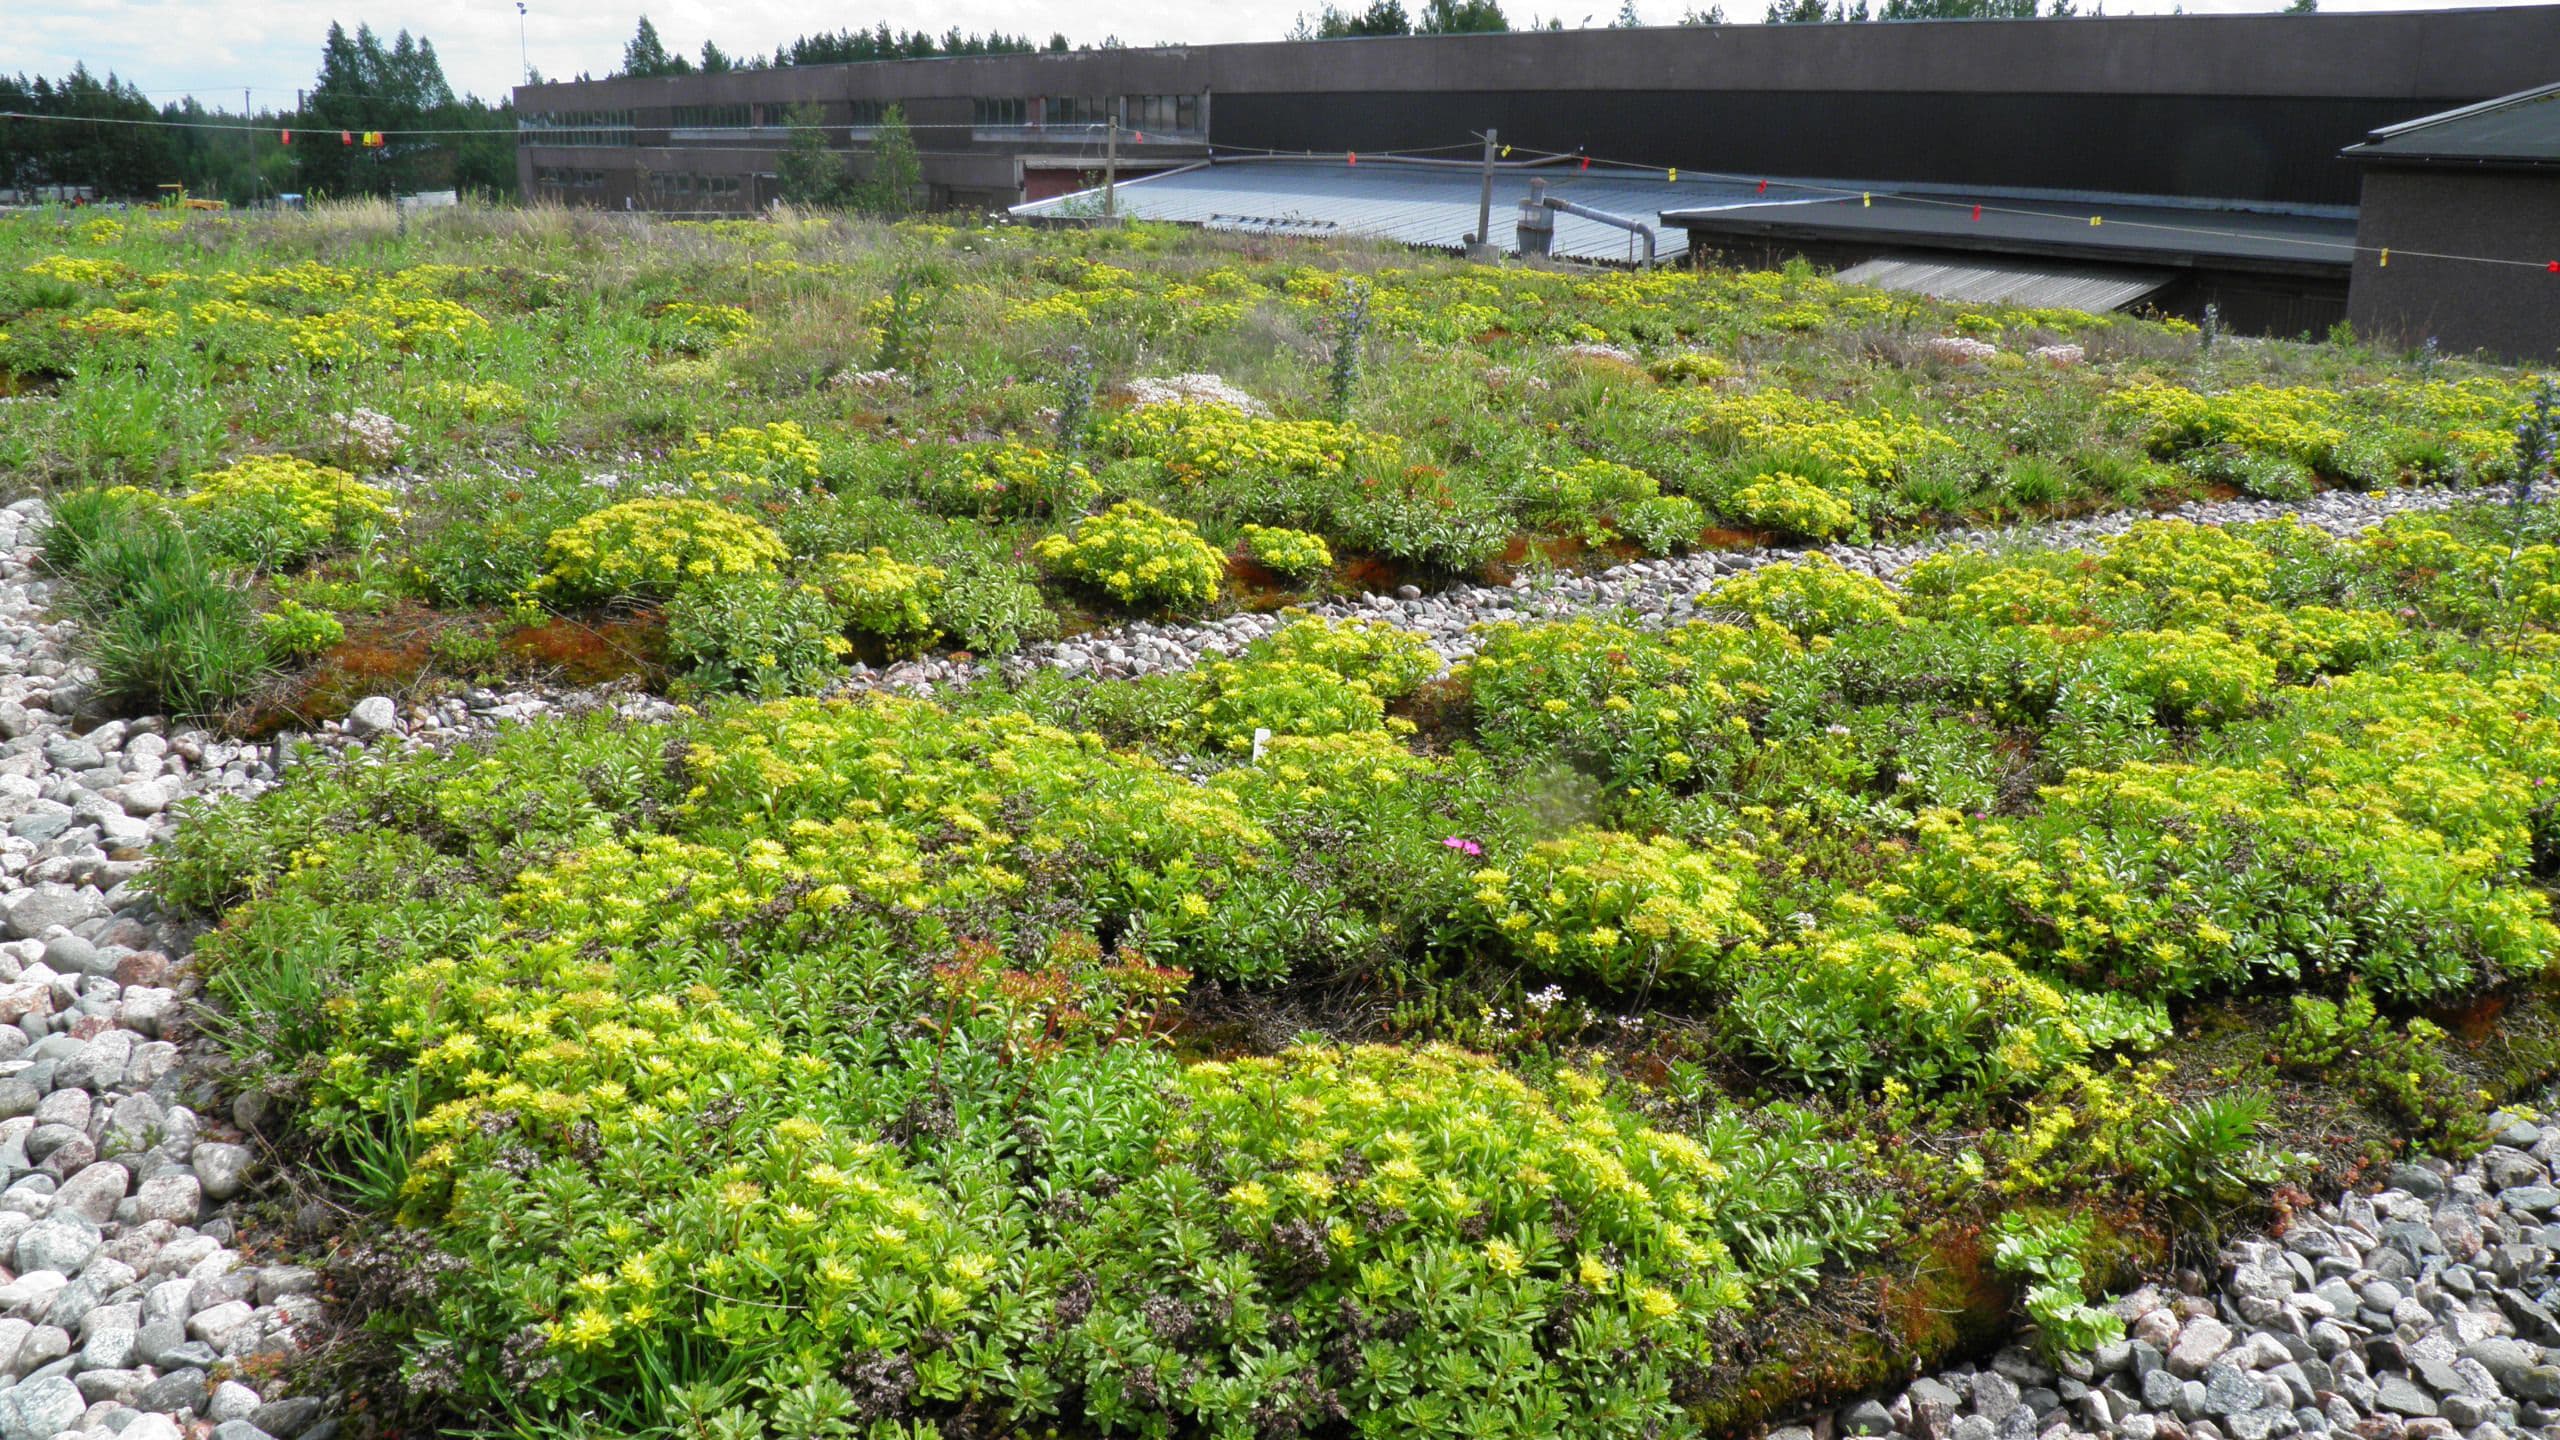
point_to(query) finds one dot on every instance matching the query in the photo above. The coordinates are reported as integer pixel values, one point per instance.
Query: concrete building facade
(2223, 107)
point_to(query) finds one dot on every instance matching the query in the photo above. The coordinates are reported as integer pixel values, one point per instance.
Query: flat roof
(2154, 234)
(1433, 206)
(2518, 129)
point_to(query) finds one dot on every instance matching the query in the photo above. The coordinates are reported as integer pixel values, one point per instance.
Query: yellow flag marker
(1672, 175)
(2386, 255)
(1506, 152)
(2093, 220)
(1866, 199)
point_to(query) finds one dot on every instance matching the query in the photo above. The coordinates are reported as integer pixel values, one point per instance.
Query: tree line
(1457, 17)
(131, 147)
(647, 52)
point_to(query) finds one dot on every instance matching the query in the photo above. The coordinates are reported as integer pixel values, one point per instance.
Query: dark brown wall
(2509, 311)
(2278, 148)
(2241, 107)
(2411, 56)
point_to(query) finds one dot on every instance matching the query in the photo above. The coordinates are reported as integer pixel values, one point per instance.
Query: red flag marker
(285, 136)
(1977, 212)
(1586, 162)
(1764, 188)
(1139, 135)
(2554, 267)
(1355, 157)
(346, 137)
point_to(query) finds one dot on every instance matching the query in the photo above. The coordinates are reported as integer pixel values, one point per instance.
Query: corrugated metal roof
(2522, 129)
(1433, 206)
(2043, 287)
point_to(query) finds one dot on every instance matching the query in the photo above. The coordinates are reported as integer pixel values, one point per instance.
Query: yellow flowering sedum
(279, 510)
(1809, 597)
(1137, 555)
(1793, 505)
(883, 597)
(750, 459)
(650, 548)
(1199, 441)
(1870, 448)
(1286, 551)
(1619, 908)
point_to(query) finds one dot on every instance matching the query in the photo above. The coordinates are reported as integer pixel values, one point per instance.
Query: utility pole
(1111, 170)
(248, 144)
(524, 56)
(1484, 247)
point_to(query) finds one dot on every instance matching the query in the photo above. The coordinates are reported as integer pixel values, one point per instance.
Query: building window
(682, 192)
(1168, 113)
(709, 117)
(865, 114)
(1064, 112)
(574, 127)
(999, 113)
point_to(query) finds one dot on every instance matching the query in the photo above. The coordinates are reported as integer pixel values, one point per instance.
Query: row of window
(1140, 113)
(695, 192)
(562, 177)
(1163, 112)
(575, 127)
(1077, 110)
(705, 117)
(999, 112)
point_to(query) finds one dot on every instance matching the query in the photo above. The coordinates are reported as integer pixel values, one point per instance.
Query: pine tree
(897, 177)
(648, 55)
(809, 171)
(1462, 17)
(714, 60)
(1627, 19)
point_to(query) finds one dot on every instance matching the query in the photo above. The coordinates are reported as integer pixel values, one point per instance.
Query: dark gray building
(2265, 269)
(2467, 203)
(2250, 108)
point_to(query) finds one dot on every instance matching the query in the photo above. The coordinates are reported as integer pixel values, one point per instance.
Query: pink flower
(1460, 842)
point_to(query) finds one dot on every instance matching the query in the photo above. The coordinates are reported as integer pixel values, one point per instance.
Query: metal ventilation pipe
(1536, 232)
(1631, 226)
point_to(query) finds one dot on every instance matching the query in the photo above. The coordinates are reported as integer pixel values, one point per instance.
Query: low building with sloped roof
(2458, 235)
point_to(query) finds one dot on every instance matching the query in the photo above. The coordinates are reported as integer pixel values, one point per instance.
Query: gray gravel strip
(2428, 1311)
(124, 1305)
(1646, 591)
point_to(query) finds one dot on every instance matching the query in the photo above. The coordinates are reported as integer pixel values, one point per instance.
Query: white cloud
(212, 48)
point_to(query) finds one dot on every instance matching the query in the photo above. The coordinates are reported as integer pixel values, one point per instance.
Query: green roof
(2518, 129)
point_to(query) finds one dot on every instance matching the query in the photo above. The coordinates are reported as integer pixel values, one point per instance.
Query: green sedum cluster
(650, 549)
(1139, 556)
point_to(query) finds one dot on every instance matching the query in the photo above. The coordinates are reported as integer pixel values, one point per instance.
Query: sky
(212, 49)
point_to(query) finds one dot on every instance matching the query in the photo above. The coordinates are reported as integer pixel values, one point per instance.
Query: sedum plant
(650, 549)
(754, 634)
(1287, 552)
(885, 598)
(277, 511)
(1139, 556)
(1807, 598)
(1793, 505)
